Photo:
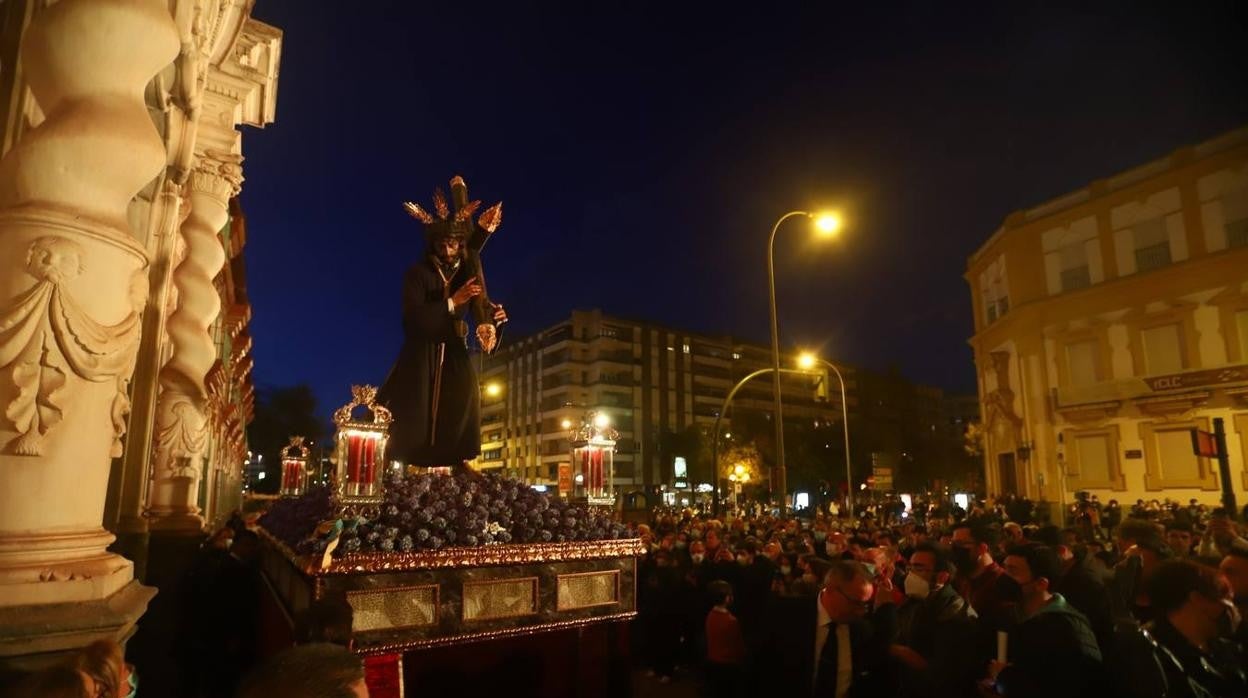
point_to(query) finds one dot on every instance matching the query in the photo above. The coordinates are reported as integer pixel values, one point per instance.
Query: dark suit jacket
(790, 650)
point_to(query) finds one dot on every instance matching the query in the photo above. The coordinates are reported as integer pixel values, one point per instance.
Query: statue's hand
(487, 336)
(500, 315)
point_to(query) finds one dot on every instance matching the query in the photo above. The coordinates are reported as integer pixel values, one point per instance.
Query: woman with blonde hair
(103, 661)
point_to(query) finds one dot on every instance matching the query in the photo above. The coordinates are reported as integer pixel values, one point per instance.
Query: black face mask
(963, 559)
(1009, 590)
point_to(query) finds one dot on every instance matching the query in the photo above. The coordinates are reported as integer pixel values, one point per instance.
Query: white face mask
(917, 587)
(785, 569)
(697, 558)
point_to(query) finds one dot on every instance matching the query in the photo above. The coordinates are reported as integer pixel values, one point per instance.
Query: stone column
(182, 409)
(72, 287)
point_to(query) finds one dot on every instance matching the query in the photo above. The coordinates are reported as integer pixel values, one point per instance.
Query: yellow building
(1110, 322)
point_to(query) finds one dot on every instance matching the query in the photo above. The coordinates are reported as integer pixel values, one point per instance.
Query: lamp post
(828, 224)
(719, 417)
(809, 361)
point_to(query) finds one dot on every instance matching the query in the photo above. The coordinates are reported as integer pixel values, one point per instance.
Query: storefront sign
(1198, 379)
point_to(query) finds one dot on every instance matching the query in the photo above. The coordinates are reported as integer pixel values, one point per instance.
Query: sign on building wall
(1197, 379)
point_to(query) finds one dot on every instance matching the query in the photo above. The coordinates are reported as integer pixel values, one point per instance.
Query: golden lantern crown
(362, 396)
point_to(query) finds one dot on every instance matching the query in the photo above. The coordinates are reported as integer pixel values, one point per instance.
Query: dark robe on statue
(408, 390)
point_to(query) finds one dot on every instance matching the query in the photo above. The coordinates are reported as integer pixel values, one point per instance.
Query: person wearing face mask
(782, 581)
(978, 577)
(1052, 650)
(1183, 653)
(1235, 568)
(935, 629)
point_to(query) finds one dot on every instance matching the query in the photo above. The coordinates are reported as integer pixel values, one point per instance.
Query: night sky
(642, 154)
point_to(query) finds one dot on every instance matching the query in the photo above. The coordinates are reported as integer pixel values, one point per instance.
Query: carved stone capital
(218, 174)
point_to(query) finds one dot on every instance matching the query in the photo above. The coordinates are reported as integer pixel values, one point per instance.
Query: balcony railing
(1076, 278)
(1237, 233)
(1152, 257)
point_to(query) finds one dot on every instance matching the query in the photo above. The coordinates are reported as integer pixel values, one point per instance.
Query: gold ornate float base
(406, 601)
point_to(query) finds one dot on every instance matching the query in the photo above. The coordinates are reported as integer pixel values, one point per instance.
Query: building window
(1163, 349)
(1092, 459)
(1168, 458)
(1152, 244)
(1076, 273)
(685, 348)
(1237, 233)
(1235, 217)
(1241, 326)
(1082, 359)
(995, 290)
(1075, 278)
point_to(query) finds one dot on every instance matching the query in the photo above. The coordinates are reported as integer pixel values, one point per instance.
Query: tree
(280, 414)
(743, 459)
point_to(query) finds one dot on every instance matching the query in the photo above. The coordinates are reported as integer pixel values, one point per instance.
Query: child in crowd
(725, 646)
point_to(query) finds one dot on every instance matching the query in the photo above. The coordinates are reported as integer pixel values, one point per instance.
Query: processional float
(457, 572)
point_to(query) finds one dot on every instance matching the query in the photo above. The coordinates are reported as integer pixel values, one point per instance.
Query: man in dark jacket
(1191, 601)
(935, 629)
(1052, 651)
(1079, 586)
(834, 643)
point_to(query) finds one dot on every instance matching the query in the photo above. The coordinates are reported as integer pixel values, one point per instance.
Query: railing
(1152, 257)
(1237, 233)
(1076, 278)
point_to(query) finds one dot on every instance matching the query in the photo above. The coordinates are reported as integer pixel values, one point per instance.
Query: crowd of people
(932, 601)
(942, 601)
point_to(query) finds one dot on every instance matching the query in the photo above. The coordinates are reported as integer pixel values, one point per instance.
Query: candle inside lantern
(369, 468)
(355, 457)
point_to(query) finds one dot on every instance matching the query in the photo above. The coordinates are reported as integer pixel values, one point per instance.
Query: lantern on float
(294, 468)
(361, 448)
(593, 459)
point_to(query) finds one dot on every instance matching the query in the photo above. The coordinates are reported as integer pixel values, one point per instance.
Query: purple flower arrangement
(429, 512)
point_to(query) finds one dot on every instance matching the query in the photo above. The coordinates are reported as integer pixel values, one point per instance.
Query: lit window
(685, 347)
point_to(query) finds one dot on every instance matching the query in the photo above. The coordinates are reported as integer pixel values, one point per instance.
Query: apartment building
(650, 380)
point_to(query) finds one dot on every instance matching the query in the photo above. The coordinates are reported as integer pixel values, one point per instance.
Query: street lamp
(720, 416)
(493, 389)
(809, 361)
(827, 224)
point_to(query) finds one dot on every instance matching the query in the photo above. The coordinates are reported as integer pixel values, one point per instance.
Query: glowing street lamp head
(493, 389)
(602, 420)
(828, 223)
(807, 360)
(566, 424)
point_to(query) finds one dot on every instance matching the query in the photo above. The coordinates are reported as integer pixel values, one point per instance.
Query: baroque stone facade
(125, 362)
(1109, 323)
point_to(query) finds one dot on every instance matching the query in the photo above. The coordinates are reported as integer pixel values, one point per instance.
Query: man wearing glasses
(854, 623)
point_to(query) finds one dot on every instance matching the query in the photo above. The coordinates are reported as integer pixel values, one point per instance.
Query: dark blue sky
(643, 152)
